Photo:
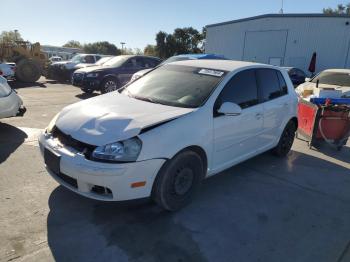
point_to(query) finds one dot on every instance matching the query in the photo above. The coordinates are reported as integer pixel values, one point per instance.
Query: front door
(238, 137)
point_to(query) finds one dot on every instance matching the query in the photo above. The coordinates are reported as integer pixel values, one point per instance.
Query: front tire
(178, 180)
(286, 140)
(109, 85)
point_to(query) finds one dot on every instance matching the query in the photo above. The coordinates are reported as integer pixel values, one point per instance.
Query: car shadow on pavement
(259, 210)
(10, 139)
(86, 95)
(19, 85)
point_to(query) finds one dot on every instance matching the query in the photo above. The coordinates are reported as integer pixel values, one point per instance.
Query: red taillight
(1, 73)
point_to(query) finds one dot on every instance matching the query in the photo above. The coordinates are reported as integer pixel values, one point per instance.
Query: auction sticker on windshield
(211, 72)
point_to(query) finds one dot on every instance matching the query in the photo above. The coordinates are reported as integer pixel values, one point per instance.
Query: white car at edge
(161, 135)
(10, 103)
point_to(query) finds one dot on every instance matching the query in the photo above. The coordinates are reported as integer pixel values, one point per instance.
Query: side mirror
(307, 79)
(230, 109)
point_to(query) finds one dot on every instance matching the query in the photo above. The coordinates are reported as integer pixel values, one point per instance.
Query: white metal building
(284, 40)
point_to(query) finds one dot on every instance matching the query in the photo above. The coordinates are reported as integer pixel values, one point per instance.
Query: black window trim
(278, 74)
(260, 94)
(215, 107)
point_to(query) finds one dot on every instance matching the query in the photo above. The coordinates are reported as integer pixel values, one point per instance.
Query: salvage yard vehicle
(10, 103)
(336, 81)
(176, 58)
(162, 134)
(113, 74)
(30, 61)
(100, 62)
(7, 70)
(63, 70)
(55, 59)
(296, 75)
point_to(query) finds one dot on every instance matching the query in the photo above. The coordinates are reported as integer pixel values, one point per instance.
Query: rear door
(276, 103)
(238, 137)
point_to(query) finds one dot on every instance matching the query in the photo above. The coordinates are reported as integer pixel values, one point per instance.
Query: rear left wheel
(178, 180)
(286, 140)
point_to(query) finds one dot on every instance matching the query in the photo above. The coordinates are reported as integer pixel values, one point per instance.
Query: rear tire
(28, 71)
(109, 85)
(286, 140)
(178, 180)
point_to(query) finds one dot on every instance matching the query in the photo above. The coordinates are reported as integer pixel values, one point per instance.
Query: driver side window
(241, 89)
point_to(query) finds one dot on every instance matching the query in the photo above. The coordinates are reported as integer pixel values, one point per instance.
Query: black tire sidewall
(164, 184)
(279, 150)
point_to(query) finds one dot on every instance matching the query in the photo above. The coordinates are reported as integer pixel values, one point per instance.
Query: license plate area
(52, 161)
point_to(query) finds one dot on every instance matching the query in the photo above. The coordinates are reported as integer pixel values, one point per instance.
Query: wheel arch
(200, 152)
(294, 120)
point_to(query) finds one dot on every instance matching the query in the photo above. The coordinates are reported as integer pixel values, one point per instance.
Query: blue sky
(132, 21)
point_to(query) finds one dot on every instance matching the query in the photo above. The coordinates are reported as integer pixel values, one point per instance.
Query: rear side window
(271, 84)
(283, 84)
(241, 89)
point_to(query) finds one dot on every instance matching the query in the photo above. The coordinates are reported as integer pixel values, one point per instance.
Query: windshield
(175, 59)
(77, 59)
(333, 78)
(5, 89)
(116, 61)
(173, 85)
(103, 60)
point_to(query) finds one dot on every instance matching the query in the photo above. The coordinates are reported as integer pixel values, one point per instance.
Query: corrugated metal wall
(328, 36)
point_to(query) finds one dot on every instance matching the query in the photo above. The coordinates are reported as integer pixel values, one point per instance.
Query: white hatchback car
(162, 134)
(10, 103)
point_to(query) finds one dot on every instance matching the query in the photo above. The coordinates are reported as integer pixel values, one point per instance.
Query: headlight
(134, 77)
(52, 124)
(92, 75)
(123, 151)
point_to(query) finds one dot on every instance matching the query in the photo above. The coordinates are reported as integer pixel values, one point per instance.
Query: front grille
(69, 180)
(67, 140)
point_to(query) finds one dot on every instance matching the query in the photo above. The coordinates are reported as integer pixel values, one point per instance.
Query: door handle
(258, 115)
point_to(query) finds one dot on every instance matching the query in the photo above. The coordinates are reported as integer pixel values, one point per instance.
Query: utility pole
(282, 5)
(16, 31)
(122, 43)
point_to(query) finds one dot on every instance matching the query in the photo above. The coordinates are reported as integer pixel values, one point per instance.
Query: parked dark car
(113, 74)
(296, 75)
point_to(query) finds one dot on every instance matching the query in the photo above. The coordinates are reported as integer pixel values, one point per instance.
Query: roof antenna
(281, 11)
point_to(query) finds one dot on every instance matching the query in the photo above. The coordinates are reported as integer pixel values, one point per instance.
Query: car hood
(113, 117)
(89, 69)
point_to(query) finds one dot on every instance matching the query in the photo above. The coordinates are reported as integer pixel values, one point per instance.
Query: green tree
(104, 48)
(182, 41)
(10, 36)
(150, 50)
(73, 44)
(340, 10)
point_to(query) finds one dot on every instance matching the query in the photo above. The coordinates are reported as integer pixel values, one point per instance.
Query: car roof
(202, 56)
(345, 71)
(225, 65)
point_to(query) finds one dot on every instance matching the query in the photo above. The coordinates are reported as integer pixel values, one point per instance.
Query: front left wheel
(109, 85)
(178, 180)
